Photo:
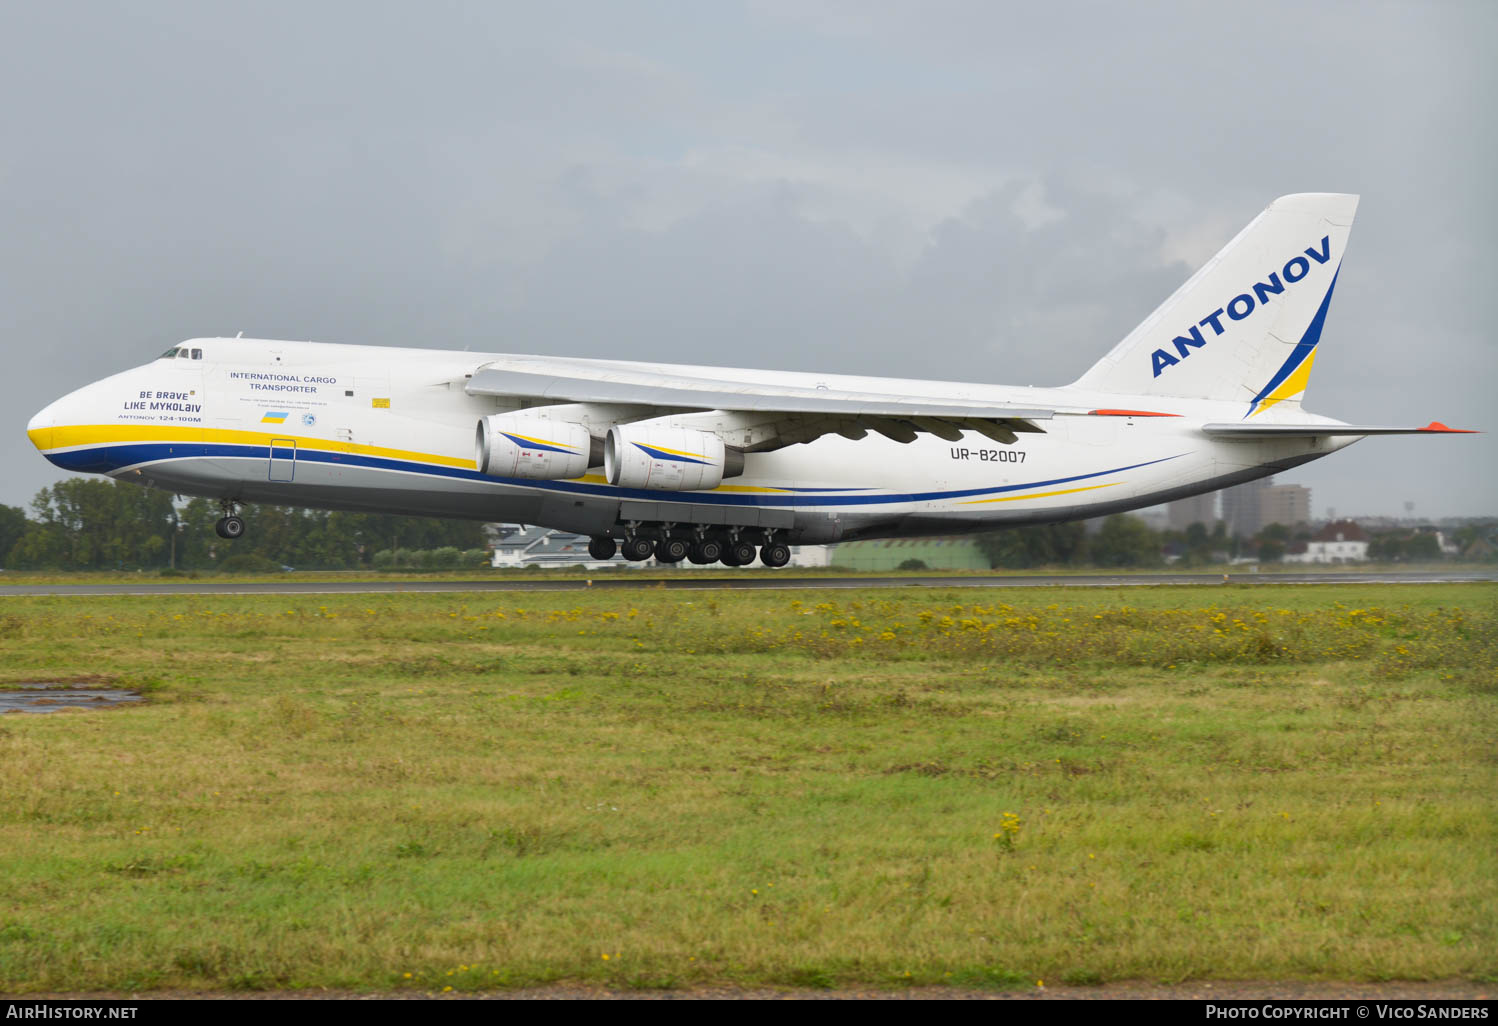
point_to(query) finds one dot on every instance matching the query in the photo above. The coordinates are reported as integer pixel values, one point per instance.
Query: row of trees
(98, 524)
(1402, 546)
(1121, 541)
(1124, 541)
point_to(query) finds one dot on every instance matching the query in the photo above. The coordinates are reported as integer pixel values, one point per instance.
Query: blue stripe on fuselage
(102, 459)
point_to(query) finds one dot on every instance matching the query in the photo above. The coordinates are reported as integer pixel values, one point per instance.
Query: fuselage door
(282, 459)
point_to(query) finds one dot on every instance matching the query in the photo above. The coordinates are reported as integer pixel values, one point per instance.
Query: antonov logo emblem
(1242, 305)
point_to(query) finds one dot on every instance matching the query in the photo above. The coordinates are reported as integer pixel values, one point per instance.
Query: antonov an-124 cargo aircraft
(714, 464)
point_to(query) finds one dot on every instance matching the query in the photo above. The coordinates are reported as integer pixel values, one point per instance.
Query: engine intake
(667, 459)
(526, 446)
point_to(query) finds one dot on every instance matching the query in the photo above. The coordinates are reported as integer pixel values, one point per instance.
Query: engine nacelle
(526, 446)
(667, 459)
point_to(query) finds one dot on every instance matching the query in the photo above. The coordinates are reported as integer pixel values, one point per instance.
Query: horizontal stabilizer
(1241, 430)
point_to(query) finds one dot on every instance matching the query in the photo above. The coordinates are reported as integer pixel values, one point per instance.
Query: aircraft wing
(801, 414)
(1435, 427)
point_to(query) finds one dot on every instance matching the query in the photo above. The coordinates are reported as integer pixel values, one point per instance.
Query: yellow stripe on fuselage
(1038, 495)
(82, 435)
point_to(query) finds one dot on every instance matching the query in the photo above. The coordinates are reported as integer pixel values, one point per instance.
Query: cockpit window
(169, 354)
(182, 354)
(197, 354)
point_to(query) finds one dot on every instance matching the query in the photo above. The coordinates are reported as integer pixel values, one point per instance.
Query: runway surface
(695, 582)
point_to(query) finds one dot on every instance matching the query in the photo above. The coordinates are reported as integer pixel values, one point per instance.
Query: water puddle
(44, 698)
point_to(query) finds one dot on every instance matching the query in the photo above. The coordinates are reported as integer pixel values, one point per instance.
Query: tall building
(1199, 509)
(1240, 507)
(1285, 504)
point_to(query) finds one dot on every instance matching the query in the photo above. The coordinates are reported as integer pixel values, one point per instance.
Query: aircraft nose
(39, 428)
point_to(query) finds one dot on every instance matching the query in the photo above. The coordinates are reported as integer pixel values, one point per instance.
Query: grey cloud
(577, 180)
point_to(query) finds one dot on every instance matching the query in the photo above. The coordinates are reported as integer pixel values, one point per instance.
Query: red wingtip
(1437, 427)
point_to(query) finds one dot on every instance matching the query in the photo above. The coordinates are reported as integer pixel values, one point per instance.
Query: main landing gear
(668, 547)
(705, 550)
(230, 525)
(775, 554)
(671, 549)
(637, 549)
(738, 553)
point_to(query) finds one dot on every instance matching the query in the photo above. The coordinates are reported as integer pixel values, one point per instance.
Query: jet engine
(517, 445)
(667, 459)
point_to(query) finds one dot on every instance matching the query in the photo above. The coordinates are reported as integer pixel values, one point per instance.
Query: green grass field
(654, 789)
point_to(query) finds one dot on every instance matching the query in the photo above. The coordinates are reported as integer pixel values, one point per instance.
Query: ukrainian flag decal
(274, 417)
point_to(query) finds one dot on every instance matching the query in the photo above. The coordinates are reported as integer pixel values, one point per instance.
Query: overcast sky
(986, 191)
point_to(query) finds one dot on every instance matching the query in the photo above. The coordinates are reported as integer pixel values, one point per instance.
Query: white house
(1341, 541)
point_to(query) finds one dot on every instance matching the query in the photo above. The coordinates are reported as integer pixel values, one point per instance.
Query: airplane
(716, 464)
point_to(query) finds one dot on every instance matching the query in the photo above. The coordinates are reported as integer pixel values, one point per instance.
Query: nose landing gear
(230, 525)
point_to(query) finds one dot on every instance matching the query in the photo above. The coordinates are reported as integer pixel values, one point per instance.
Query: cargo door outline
(282, 459)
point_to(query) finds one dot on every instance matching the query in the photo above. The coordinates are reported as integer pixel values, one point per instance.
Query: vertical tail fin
(1247, 324)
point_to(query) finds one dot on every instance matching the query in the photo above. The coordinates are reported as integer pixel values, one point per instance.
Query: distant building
(1284, 504)
(1448, 543)
(541, 546)
(1341, 541)
(1154, 519)
(1199, 509)
(1251, 507)
(1481, 549)
(1241, 509)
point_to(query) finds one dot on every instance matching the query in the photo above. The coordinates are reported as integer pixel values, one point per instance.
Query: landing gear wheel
(602, 547)
(671, 550)
(637, 549)
(705, 551)
(742, 553)
(775, 554)
(229, 527)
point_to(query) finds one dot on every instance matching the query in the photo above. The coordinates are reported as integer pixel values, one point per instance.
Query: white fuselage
(392, 430)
